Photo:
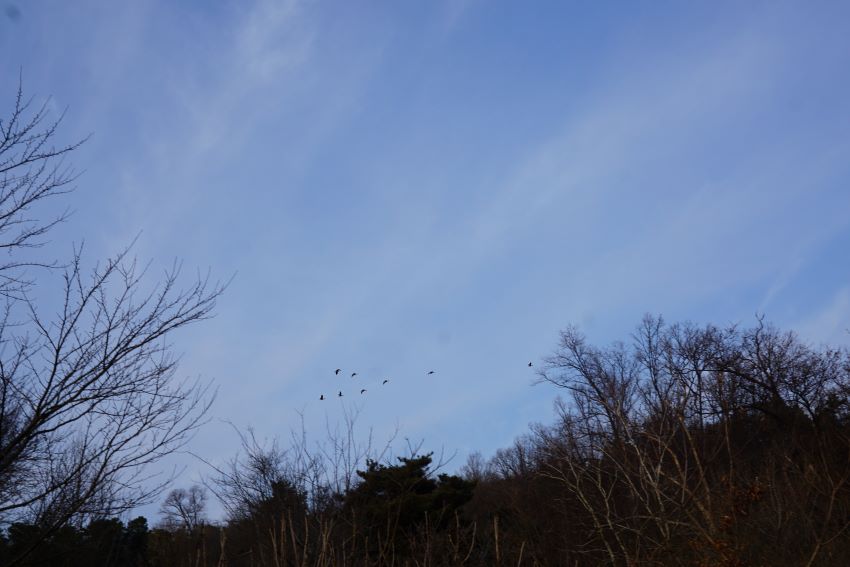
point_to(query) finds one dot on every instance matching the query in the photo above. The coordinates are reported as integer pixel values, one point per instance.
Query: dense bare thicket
(701, 445)
(282, 498)
(88, 393)
(316, 469)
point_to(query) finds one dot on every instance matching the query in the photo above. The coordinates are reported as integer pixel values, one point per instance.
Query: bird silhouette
(353, 374)
(322, 397)
(530, 365)
(363, 390)
(339, 395)
(338, 370)
(385, 381)
(430, 372)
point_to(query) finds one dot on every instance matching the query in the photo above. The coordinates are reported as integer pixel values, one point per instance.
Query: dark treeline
(688, 445)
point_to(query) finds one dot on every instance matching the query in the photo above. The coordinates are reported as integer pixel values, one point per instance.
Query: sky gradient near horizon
(409, 186)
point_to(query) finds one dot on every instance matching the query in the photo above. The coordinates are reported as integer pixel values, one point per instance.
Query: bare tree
(476, 468)
(88, 392)
(247, 481)
(185, 509)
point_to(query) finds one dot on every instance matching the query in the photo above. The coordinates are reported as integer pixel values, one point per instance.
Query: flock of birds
(363, 390)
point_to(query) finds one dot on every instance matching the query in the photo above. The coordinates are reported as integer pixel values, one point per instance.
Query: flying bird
(353, 374)
(385, 381)
(430, 372)
(363, 390)
(338, 370)
(340, 394)
(530, 365)
(322, 397)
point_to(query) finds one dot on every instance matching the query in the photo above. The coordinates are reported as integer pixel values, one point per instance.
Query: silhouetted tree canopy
(104, 542)
(392, 501)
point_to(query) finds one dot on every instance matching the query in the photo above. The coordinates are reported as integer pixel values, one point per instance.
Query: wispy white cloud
(270, 44)
(574, 179)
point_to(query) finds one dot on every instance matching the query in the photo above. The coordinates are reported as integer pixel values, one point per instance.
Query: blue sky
(406, 186)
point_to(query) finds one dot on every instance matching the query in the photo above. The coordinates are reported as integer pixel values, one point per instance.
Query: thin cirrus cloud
(573, 180)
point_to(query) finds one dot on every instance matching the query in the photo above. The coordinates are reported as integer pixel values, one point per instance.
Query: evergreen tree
(394, 501)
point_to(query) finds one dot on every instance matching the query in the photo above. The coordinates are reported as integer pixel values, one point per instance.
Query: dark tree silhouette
(392, 501)
(185, 508)
(103, 542)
